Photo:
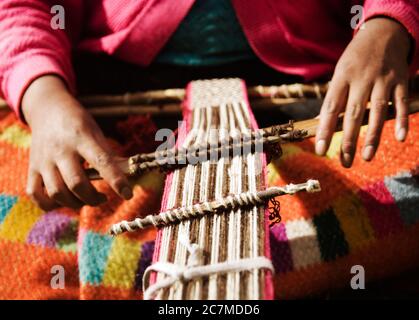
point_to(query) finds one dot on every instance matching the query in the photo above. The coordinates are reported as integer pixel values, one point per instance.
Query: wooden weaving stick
(169, 99)
(175, 157)
(309, 128)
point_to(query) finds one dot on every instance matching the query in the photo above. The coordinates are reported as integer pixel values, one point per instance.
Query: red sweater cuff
(29, 69)
(404, 12)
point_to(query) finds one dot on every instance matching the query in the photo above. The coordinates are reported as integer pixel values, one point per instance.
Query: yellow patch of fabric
(16, 136)
(287, 150)
(153, 180)
(334, 148)
(122, 263)
(272, 174)
(20, 220)
(353, 220)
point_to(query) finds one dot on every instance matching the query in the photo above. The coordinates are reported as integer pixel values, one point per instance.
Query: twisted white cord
(310, 186)
(181, 213)
(201, 209)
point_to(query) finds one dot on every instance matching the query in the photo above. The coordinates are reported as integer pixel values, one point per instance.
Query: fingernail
(126, 193)
(321, 147)
(347, 160)
(368, 153)
(401, 134)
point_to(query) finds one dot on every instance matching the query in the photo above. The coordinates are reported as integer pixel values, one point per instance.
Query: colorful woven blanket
(368, 215)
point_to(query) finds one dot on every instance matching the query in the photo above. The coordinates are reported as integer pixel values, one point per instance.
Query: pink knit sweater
(301, 37)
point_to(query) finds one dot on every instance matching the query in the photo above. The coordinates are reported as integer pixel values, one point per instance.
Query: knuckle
(78, 130)
(380, 104)
(345, 69)
(332, 108)
(348, 147)
(118, 183)
(59, 151)
(103, 159)
(390, 75)
(325, 132)
(403, 117)
(76, 183)
(355, 112)
(402, 100)
(55, 194)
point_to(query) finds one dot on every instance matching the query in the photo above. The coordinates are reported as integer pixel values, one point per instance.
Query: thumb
(110, 169)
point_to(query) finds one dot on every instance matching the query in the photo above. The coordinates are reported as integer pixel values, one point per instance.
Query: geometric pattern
(368, 215)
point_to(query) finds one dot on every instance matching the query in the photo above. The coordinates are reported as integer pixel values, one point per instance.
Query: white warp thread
(194, 269)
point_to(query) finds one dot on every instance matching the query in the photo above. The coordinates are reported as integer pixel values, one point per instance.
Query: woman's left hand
(374, 67)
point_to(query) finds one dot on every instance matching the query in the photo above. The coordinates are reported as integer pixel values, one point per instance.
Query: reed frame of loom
(194, 183)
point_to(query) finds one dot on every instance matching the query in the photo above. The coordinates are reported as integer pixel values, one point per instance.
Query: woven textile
(368, 215)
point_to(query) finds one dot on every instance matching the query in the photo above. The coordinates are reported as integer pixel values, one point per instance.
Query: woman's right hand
(63, 135)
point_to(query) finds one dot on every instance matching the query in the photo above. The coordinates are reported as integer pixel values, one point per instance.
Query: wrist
(42, 95)
(391, 31)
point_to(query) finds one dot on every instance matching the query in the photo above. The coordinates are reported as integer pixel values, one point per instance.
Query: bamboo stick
(135, 98)
(175, 109)
(296, 91)
(170, 96)
(170, 109)
(126, 110)
(167, 102)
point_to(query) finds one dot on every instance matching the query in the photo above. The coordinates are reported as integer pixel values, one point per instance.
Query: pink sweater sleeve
(404, 11)
(30, 48)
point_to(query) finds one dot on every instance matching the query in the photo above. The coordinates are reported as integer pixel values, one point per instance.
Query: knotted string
(195, 269)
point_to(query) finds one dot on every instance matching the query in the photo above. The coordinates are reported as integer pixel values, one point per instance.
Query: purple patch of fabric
(280, 250)
(147, 250)
(48, 229)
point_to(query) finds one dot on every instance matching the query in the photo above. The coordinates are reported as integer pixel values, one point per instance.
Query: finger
(104, 162)
(402, 111)
(333, 104)
(378, 110)
(35, 190)
(354, 113)
(57, 190)
(75, 178)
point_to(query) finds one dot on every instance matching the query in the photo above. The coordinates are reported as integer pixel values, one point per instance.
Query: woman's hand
(374, 67)
(63, 135)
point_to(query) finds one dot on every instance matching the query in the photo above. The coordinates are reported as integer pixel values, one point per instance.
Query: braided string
(230, 202)
(175, 159)
(283, 130)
